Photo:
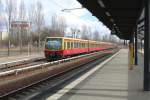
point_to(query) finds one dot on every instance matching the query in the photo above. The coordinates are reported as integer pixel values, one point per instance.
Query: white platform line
(67, 88)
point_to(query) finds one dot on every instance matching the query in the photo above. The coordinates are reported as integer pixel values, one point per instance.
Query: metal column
(147, 47)
(136, 57)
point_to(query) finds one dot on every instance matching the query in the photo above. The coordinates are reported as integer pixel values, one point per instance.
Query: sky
(74, 18)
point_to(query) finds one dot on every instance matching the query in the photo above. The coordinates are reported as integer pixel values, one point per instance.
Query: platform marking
(67, 88)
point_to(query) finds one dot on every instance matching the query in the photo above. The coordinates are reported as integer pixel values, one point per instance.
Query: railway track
(16, 67)
(21, 63)
(46, 76)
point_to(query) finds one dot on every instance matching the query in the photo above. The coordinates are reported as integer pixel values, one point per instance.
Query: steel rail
(39, 66)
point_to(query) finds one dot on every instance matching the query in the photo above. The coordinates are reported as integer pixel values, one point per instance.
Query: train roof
(80, 39)
(68, 38)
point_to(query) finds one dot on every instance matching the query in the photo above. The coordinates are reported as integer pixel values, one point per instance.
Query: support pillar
(147, 46)
(135, 54)
(131, 53)
(124, 42)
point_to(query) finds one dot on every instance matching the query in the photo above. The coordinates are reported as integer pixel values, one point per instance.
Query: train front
(53, 48)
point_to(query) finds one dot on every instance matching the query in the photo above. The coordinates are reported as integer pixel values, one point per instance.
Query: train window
(71, 45)
(75, 45)
(78, 45)
(86, 45)
(68, 45)
(64, 45)
(53, 44)
(82, 45)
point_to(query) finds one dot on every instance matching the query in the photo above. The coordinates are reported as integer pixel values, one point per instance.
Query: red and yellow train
(56, 47)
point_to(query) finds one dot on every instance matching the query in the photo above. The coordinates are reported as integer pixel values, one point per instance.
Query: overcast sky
(74, 18)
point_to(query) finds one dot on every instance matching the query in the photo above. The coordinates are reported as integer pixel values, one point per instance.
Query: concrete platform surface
(112, 82)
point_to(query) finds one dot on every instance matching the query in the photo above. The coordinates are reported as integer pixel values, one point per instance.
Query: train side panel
(75, 51)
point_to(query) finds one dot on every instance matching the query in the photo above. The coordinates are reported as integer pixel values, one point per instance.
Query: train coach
(58, 47)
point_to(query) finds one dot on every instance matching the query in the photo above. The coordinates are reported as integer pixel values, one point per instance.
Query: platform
(20, 57)
(111, 82)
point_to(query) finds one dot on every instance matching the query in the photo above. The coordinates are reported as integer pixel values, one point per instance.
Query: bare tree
(54, 25)
(1, 26)
(22, 10)
(62, 25)
(45, 33)
(75, 32)
(32, 19)
(96, 36)
(86, 32)
(58, 26)
(39, 21)
(106, 38)
(10, 13)
(22, 33)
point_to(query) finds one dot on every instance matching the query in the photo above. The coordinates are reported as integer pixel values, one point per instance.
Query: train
(61, 47)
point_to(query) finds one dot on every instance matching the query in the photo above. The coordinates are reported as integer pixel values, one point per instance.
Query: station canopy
(120, 16)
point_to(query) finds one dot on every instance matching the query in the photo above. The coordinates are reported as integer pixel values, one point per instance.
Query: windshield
(53, 44)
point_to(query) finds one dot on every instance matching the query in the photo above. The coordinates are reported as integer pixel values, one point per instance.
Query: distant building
(19, 30)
